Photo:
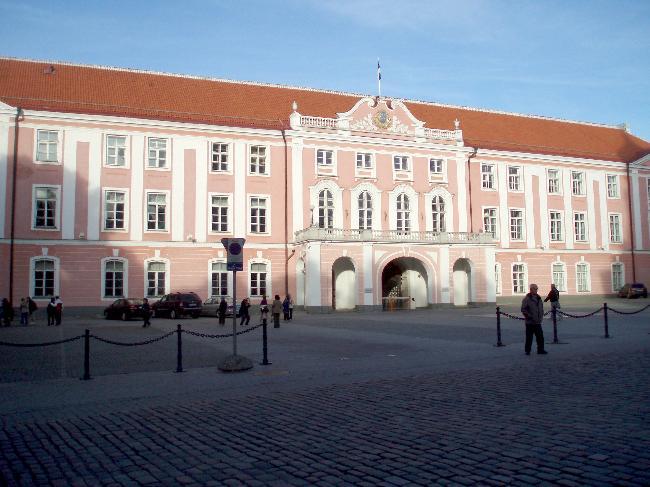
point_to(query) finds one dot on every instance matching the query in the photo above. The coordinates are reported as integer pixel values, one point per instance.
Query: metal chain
(511, 316)
(629, 312)
(206, 335)
(123, 344)
(582, 316)
(58, 342)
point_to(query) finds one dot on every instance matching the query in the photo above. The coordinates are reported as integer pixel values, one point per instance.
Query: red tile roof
(118, 92)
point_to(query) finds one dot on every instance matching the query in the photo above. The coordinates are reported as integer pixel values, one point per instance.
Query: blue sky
(580, 60)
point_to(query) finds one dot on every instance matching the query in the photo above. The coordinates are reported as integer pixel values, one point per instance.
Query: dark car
(124, 309)
(633, 291)
(175, 305)
(211, 306)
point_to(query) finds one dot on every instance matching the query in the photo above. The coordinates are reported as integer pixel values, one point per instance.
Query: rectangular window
(156, 273)
(612, 186)
(516, 225)
(554, 185)
(157, 153)
(219, 279)
(617, 276)
(582, 278)
(114, 210)
(559, 276)
(220, 157)
(258, 279)
(580, 227)
(258, 214)
(43, 278)
(514, 178)
(324, 157)
(364, 160)
(490, 221)
(114, 279)
(401, 163)
(116, 150)
(219, 213)
(555, 219)
(45, 207)
(257, 163)
(487, 176)
(435, 166)
(518, 279)
(156, 211)
(615, 228)
(578, 183)
(47, 142)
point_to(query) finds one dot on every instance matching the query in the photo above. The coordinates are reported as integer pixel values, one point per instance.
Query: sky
(571, 59)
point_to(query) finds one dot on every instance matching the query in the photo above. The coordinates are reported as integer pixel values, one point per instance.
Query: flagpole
(378, 78)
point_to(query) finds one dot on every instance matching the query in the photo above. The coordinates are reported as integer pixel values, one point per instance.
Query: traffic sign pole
(234, 312)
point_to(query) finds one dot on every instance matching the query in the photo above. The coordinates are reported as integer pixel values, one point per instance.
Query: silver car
(211, 306)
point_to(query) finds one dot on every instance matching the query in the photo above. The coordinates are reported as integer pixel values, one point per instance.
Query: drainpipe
(286, 214)
(19, 114)
(469, 188)
(629, 206)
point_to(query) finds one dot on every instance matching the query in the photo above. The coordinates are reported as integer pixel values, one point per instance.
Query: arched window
(114, 279)
(325, 209)
(403, 213)
(438, 214)
(365, 211)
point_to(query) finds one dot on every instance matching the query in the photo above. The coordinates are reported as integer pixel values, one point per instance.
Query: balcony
(391, 236)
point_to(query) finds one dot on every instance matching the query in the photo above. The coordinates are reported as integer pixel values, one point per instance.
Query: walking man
(146, 313)
(58, 310)
(532, 308)
(51, 307)
(554, 297)
(244, 313)
(221, 312)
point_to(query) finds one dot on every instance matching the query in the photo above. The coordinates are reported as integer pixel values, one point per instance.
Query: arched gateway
(462, 282)
(405, 278)
(344, 289)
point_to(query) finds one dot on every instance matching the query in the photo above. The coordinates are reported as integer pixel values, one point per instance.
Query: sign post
(235, 262)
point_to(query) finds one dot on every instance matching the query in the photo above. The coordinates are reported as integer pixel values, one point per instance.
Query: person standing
(276, 308)
(58, 310)
(290, 307)
(285, 307)
(32, 308)
(554, 297)
(221, 312)
(24, 312)
(51, 308)
(532, 308)
(244, 313)
(146, 313)
(7, 312)
(264, 309)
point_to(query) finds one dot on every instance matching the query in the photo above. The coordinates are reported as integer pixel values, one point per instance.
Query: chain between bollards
(265, 360)
(499, 343)
(86, 355)
(179, 354)
(606, 320)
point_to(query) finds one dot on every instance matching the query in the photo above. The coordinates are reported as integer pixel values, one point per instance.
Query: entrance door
(462, 282)
(344, 295)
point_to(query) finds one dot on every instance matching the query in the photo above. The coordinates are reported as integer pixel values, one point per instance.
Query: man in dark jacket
(532, 308)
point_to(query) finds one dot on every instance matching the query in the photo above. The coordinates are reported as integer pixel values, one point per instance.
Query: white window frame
(267, 215)
(168, 152)
(267, 160)
(32, 280)
(523, 224)
(557, 179)
(325, 157)
(59, 146)
(125, 278)
(440, 176)
(167, 211)
(560, 224)
(328, 211)
(585, 225)
(126, 209)
(228, 154)
(127, 151)
(488, 177)
(578, 185)
(495, 233)
(375, 194)
(267, 263)
(402, 174)
(588, 277)
(562, 286)
(616, 186)
(622, 267)
(525, 278)
(619, 219)
(57, 216)
(517, 178)
(408, 226)
(229, 224)
(167, 264)
(444, 214)
(403, 160)
(228, 279)
(358, 170)
(365, 211)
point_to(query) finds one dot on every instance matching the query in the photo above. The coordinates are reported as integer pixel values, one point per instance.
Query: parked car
(124, 309)
(175, 305)
(633, 291)
(211, 306)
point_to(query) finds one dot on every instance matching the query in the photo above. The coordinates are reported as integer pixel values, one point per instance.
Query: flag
(378, 71)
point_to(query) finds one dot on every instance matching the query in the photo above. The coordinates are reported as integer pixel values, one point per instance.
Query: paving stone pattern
(575, 422)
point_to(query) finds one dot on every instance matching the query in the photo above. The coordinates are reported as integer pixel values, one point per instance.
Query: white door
(461, 288)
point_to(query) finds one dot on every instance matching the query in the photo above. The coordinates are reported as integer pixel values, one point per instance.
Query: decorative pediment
(381, 115)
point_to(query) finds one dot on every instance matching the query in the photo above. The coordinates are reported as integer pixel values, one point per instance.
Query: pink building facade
(121, 183)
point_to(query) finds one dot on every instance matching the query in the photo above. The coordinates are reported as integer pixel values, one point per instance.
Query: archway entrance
(344, 295)
(462, 282)
(405, 278)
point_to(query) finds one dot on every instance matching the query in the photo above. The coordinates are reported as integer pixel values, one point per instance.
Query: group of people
(277, 307)
(532, 308)
(27, 309)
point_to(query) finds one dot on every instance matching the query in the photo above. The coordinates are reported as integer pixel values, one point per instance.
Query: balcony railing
(351, 235)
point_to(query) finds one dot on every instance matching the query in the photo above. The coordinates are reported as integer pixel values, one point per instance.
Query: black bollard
(265, 360)
(606, 320)
(554, 314)
(499, 344)
(86, 356)
(179, 354)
